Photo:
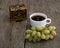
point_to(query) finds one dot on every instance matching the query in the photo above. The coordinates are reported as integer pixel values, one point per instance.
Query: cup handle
(48, 21)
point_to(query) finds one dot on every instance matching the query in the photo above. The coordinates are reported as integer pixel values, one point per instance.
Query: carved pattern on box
(18, 12)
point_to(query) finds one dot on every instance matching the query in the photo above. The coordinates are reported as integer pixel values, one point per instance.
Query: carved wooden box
(18, 12)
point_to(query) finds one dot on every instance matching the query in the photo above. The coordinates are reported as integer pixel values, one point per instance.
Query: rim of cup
(40, 14)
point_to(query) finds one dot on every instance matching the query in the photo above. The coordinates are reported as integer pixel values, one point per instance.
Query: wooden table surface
(12, 33)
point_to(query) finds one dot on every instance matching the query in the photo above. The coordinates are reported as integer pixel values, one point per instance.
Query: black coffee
(38, 18)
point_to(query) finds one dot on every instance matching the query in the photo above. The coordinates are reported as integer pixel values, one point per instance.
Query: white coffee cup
(39, 23)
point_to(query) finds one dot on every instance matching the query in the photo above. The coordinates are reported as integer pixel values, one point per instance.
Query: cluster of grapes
(40, 33)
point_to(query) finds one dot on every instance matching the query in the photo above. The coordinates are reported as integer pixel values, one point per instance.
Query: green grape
(51, 28)
(33, 33)
(34, 40)
(39, 28)
(38, 39)
(30, 39)
(51, 36)
(33, 29)
(27, 36)
(38, 34)
(28, 31)
(45, 28)
(46, 32)
(47, 37)
(53, 33)
(35, 37)
(54, 27)
(43, 36)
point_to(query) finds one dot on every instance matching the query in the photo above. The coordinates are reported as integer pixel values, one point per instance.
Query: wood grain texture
(12, 33)
(18, 33)
(17, 36)
(5, 25)
(5, 3)
(51, 8)
(5, 29)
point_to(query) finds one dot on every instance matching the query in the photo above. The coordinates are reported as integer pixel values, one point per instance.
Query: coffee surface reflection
(37, 18)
